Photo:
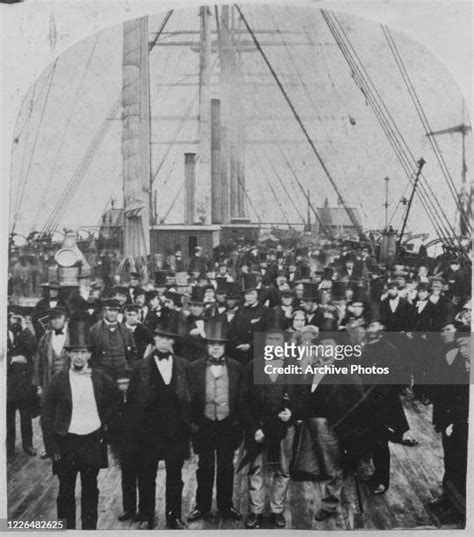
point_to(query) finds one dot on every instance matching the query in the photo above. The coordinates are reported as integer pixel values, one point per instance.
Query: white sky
(87, 79)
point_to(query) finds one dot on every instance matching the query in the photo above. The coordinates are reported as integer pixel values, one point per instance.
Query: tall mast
(136, 139)
(202, 214)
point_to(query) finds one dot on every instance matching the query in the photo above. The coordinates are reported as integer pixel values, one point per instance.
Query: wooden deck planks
(415, 476)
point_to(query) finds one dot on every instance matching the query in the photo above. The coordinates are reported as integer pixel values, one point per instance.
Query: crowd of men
(151, 368)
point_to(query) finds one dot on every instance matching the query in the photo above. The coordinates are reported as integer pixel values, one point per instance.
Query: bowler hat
(120, 290)
(131, 307)
(174, 296)
(79, 336)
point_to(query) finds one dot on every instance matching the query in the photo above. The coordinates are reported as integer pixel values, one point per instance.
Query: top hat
(310, 291)
(160, 278)
(305, 272)
(168, 325)
(360, 295)
(221, 286)
(276, 321)
(197, 295)
(215, 330)
(174, 296)
(79, 336)
(250, 282)
(232, 290)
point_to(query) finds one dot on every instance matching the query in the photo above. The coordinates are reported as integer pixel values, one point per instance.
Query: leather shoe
(322, 514)
(44, 455)
(380, 489)
(196, 514)
(278, 520)
(151, 523)
(125, 516)
(253, 521)
(30, 451)
(175, 524)
(231, 513)
(440, 500)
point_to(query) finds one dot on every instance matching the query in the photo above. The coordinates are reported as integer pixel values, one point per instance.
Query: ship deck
(416, 473)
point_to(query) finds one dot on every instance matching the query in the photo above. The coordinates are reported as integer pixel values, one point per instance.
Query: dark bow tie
(215, 361)
(162, 355)
(393, 297)
(59, 332)
(111, 326)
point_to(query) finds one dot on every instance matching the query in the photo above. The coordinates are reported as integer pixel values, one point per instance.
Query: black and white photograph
(237, 265)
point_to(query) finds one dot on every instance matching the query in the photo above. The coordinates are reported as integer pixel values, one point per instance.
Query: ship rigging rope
(269, 183)
(390, 129)
(424, 121)
(17, 138)
(371, 93)
(309, 96)
(71, 188)
(66, 126)
(300, 122)
(30, 162)
(378, 108)
(282, 183)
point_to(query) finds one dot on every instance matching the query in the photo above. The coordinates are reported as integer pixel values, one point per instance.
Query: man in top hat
(50, 300)
(21, 346)
(398, 314)
(384, 408)
(269, 411)
(158, 396)
(423, 322)
(154, 310)
(251, 317)
(161, 282)
(314, 313)
(215, 384)
(232, 300)
(78, 406)
(192, 345)
(450, 394)
(142, 336)
(219, 308)
(114, 345)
